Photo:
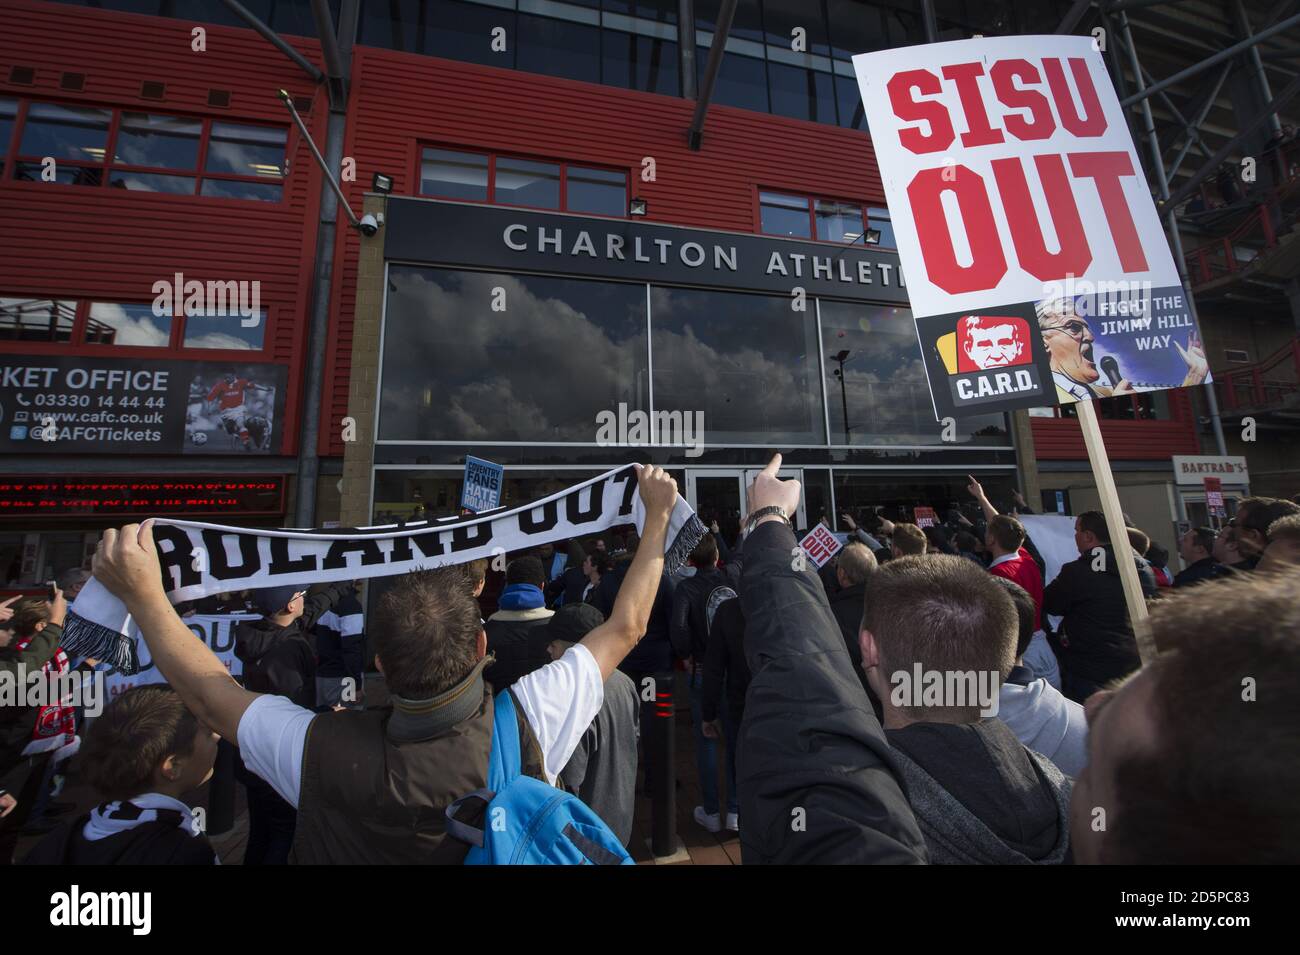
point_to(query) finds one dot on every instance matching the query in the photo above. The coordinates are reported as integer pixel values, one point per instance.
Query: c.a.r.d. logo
(989, 358)
(982, 342)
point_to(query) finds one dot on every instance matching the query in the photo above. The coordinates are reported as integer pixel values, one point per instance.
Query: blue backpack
(527, 821)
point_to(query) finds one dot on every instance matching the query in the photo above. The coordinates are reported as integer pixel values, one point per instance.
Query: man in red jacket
(1004, 536)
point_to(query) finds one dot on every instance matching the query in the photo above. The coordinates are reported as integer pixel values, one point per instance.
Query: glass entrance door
(719, 494)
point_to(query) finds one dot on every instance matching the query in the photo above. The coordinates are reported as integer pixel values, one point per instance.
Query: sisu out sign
(1037, 267)
(452, 233)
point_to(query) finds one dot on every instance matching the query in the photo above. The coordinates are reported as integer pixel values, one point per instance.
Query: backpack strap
(505, 763)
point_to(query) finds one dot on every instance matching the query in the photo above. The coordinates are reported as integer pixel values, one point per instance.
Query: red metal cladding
(103, 244)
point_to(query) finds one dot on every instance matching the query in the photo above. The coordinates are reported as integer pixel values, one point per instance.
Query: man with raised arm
(373, 786)
(816, 777)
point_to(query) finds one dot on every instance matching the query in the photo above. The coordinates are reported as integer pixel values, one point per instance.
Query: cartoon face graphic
(993, 341)
(1068, 339)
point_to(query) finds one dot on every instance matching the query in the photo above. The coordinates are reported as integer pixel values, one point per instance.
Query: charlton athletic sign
(1036, 265)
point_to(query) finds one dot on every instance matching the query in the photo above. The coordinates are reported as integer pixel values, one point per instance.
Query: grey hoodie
(994, 802)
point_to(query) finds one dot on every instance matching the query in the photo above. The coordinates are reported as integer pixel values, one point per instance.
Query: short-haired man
(908, 540)
(71, 581)
(1196, 547)
(854, 566)
(1004, 539)
(1097, 643)
(515, 632)
(143, 753)
(1185, 769)
(980, 796)
(1037, 713)
(373, 786)
(1283, 551)
(991, 341)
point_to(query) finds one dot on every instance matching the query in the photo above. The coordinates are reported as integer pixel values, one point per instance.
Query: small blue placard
(482, 489)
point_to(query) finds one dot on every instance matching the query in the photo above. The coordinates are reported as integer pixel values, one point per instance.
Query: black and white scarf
(202, 559)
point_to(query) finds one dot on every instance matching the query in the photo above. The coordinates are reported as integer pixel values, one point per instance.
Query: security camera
(369, 225)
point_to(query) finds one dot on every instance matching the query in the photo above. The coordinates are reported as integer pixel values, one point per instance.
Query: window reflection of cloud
(540, 370)
(133, 326)
(242, 158)
(216, 340)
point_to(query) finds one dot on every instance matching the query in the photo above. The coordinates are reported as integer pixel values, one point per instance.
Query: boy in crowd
(142, 755)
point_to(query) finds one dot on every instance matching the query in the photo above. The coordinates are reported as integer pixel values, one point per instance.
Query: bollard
(661, 754)
(221, 790)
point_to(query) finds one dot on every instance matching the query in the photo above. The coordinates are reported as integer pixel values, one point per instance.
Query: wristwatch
(763, 512)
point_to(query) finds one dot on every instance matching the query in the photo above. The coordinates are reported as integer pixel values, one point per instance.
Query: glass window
(36, 320)
(523, 182)
(111, 324)
(837, 221)
(153, 182)
(457, 31)
(665, 11)
(561, 352)
(883, 397)
(784, 215)
(801, 93)
(161, 142)
(742, 80)
(878, 219)
(246, 150)
(597, 191)
(638, 62)
(748, 362)
(8, 113)
(782, 17)
(747, 24)
(241, 189)
(454, 175)
(65, 132)
(849, 97)
(225, 331)
(862, 495)
(63, 173)
(854, 28)
(558, 48)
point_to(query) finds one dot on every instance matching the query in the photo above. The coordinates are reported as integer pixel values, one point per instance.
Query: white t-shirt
(559, 701)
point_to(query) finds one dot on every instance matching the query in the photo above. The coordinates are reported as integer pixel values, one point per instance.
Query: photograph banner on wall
(1037, 267)
(73, 404)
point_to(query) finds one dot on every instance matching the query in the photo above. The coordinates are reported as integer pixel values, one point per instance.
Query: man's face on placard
(993, 347)
(1069, 341)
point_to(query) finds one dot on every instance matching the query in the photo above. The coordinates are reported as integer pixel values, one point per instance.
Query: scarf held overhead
(202, 559)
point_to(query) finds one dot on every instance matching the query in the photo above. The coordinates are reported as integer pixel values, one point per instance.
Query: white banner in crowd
(201, 559)
(1036, 262)
(217, 631)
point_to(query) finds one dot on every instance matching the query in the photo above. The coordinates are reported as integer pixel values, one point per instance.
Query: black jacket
(817, 780)
(688, 630)
(569, 586)
(1203, 569)
(518, 640)
(281, 660)
(1098, 644)
(654, 654)
(846, 605)
(151, 843)
(724, 664)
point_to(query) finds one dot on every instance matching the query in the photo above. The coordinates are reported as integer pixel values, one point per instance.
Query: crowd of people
(910, 702)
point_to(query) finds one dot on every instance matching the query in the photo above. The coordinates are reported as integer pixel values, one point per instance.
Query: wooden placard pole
(1110, 506)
